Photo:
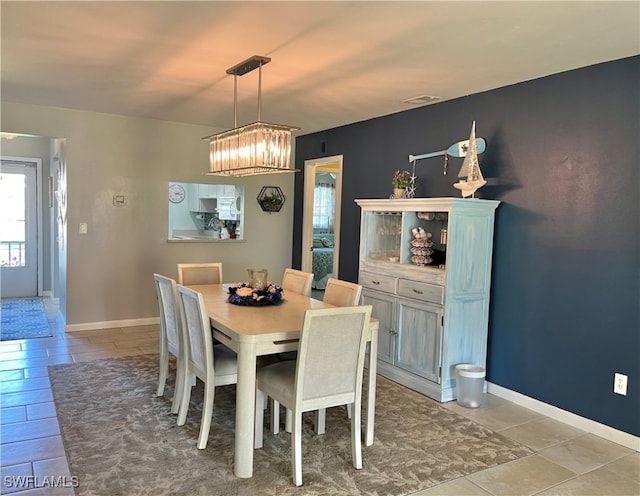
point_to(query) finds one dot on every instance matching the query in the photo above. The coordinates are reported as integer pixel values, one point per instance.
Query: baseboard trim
(620, 437)
(94, 326)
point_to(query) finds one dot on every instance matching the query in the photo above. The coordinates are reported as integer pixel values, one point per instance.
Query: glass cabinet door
(383, 232)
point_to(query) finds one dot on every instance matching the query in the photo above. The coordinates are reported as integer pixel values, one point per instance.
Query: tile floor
(567, 461)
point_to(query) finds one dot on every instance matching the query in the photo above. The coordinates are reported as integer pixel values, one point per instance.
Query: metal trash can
(469, 385)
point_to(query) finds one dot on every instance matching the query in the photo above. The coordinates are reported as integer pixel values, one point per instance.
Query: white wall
(109, 270)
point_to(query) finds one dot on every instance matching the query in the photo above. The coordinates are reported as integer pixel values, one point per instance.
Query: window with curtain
(324, 206)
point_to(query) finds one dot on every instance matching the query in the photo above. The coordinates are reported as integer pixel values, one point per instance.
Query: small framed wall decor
(271, 199)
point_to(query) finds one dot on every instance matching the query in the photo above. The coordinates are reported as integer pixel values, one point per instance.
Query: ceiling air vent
(422, 99)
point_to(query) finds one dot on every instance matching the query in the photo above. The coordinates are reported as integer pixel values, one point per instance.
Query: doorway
(321, 218)
(20, 228)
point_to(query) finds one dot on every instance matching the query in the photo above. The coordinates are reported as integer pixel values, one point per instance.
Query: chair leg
(275, 417)
(296, 448)
(207, 413)
(287, 421)
(164, 369)
(356, 438)
(259, 420)
(186, 397)
(177, 392)
(320, 420)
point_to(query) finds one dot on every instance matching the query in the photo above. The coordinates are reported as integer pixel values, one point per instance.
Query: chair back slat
(168, 304)
(297, 281)
(200, 273)
(342, 293)
(197, 331)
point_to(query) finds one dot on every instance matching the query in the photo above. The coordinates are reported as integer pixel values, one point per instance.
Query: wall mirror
(205, 212)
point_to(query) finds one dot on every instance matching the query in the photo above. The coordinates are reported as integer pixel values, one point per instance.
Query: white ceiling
(333, 63)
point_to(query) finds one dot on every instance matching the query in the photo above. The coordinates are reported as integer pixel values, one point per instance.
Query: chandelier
(258, 148)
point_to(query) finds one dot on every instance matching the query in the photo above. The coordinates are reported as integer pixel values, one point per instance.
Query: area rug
(23, 318)
(121, 439)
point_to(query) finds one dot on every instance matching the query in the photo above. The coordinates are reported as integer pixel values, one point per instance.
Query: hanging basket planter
(271, 199)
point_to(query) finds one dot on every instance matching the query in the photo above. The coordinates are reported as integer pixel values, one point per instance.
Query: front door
(18, 229)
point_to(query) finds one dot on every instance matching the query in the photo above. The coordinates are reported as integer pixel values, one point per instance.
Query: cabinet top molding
(426, 204)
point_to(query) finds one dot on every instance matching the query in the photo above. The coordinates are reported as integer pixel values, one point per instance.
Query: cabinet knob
(377, 283)
(392, 332)
(418, 291)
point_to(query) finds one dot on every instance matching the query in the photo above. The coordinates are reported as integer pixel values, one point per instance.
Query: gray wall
(109, 270)
(563, 156)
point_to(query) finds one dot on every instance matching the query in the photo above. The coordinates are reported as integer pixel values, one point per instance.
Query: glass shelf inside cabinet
(383, 232)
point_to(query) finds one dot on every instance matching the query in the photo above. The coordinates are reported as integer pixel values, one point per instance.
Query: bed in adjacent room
(322, 259)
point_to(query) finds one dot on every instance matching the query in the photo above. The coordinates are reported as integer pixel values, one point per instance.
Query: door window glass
(12, 220)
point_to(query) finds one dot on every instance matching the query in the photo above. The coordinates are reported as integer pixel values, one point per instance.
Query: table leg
(245, 410)
(371, 387)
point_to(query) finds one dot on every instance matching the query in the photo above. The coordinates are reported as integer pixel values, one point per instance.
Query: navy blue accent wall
(563, 156)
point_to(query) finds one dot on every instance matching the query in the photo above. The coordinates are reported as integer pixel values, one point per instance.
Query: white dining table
(255, 331)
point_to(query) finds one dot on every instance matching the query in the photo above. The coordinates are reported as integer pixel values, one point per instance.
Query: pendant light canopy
(258, 148)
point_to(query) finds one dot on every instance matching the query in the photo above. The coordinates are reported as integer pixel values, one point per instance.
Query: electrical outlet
(620, 384)
(82, 229)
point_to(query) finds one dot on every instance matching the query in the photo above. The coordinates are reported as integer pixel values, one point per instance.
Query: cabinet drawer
(377, 281)
(421, 291)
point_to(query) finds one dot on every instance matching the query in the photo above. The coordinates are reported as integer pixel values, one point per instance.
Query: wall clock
(176, 193)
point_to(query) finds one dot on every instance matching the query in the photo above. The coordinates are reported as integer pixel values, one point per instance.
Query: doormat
(23, 318)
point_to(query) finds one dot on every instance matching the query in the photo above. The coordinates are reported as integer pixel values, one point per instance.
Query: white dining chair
(297, 281)
(341, 294)
(190, 274)
(170, 336)
(214, 365)
(328, 372)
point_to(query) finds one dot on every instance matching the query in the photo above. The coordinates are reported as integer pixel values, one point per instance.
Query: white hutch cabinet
(431, 298)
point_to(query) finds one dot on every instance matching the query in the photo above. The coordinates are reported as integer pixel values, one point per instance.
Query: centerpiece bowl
(247, 295)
